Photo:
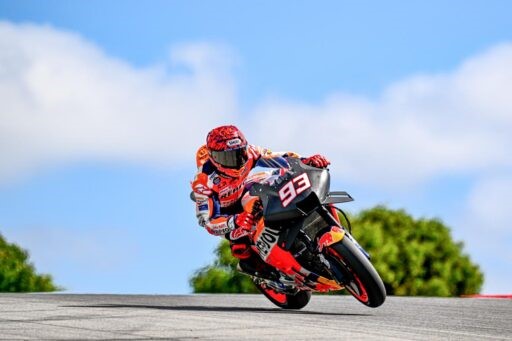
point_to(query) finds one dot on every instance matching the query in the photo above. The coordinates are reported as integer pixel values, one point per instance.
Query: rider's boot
(255, 266)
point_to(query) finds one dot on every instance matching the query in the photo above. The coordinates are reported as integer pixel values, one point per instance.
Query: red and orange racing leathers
(218, 195)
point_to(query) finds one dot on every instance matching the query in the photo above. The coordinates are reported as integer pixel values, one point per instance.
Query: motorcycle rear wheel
(285, 301)
(351, 268)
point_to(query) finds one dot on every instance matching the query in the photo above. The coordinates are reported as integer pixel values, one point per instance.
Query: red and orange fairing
(275, 255)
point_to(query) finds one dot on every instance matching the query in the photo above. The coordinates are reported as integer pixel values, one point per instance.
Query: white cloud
(63, 99)
(421, 127)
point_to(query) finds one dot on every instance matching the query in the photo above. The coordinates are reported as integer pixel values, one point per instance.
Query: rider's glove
(244, 223)
(318, 161)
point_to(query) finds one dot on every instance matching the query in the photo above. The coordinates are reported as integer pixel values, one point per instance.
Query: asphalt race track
(233, 317)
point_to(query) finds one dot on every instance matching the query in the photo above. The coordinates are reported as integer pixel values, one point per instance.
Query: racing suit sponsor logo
(220, 228)
(202, 209)
(226, 192)
(266, 241)
(214, 179)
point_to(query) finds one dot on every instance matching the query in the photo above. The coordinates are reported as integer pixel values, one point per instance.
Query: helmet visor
(234, 158)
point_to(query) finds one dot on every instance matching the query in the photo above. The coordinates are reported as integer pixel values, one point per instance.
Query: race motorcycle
(299, 234)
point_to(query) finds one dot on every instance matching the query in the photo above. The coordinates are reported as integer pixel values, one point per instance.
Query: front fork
(334, 235)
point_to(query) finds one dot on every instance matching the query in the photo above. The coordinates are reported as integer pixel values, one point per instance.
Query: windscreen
(267, 170)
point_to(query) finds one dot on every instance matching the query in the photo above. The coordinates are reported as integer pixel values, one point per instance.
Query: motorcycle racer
(224, 163)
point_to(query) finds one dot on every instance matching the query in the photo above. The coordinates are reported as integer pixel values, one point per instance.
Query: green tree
(222, 276)
(413, 257)
(16, 274)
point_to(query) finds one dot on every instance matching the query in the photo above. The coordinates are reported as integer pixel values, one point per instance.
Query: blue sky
(102, 105)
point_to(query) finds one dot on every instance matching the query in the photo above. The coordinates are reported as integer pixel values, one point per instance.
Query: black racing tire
(285, 301)
(351, 268)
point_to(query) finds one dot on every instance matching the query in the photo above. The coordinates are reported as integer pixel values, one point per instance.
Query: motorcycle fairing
(265, 239)
(283, 220)
(268, 243)
(334, 235)
(338, 197)
(296, 215)
(284, 261)
(273, 209)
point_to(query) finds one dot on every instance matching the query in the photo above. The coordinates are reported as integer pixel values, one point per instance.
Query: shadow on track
(214, 308)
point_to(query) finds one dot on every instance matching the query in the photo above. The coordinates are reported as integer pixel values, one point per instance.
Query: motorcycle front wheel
(282, 300)
(351, 268)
